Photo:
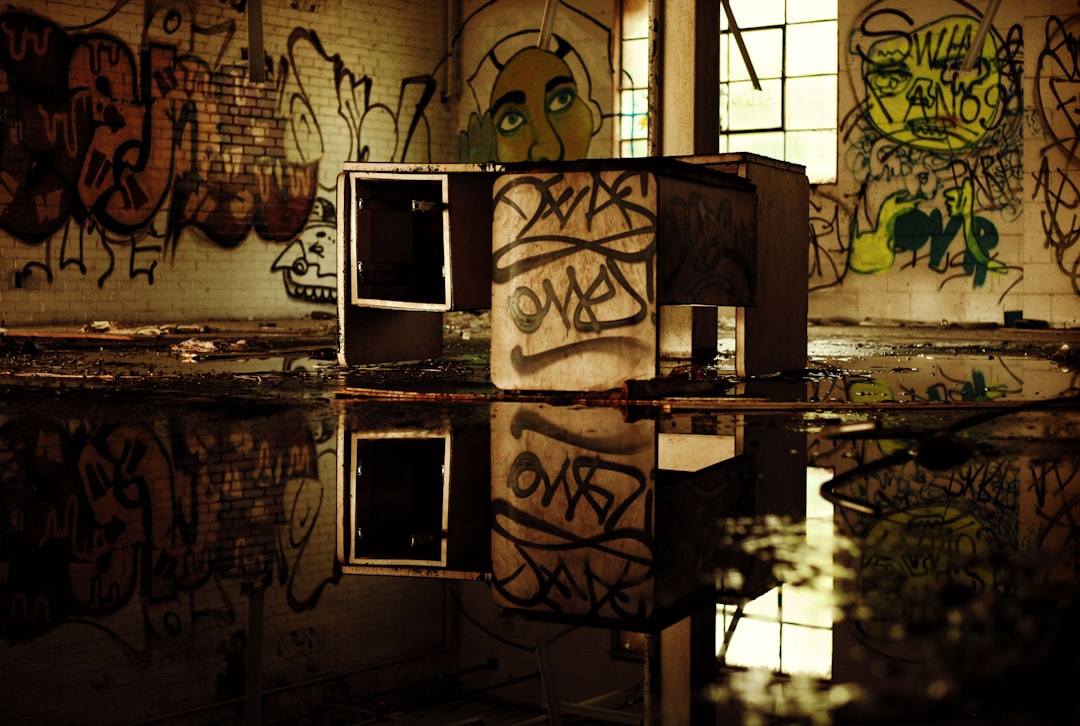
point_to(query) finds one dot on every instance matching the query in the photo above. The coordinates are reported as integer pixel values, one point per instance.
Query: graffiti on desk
(574, 262)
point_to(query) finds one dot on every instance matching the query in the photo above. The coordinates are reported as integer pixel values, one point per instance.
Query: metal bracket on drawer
(368, 204)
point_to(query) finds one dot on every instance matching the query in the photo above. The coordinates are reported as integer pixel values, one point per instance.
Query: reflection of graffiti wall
(130, 547)
(938, 212)
(939, 535)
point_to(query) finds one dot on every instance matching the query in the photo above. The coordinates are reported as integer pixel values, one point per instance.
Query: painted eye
(510, 122)
(316, 249)
(300, 266)
(561, 100)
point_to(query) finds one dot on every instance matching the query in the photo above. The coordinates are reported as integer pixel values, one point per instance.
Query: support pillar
(680, 669)
(684, 120)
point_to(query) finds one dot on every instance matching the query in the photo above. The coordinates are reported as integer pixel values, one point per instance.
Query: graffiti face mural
(521, 101)
(917, 93)
(934, 148)
(536, 110)
(307, 265)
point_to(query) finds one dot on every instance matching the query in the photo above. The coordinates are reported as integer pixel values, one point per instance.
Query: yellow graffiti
(874, 250)
(960, 202)
(918, 94)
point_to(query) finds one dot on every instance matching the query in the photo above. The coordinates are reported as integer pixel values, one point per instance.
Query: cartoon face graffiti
(918, 94)
(308, 265)
(536, 111)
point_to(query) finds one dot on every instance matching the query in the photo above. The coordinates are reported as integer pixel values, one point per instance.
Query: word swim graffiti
(572, 514)
(583, 245)
(918, 95)
(102, 517)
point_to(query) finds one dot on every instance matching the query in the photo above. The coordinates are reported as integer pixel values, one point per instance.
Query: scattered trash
(190, 349)
(98, 326)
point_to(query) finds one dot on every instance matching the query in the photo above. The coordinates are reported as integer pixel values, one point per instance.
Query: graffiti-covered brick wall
(955, 181)
(147, 177)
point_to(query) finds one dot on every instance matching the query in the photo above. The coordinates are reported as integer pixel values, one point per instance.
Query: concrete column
(684, 120)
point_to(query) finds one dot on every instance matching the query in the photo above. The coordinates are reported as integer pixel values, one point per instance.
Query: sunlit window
(791, 114)
(633, 132)
(791, 46)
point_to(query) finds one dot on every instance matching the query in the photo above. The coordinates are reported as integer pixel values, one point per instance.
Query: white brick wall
(198, 275)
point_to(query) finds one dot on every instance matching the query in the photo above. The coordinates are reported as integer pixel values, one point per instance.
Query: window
(633, 134)
(792, 46)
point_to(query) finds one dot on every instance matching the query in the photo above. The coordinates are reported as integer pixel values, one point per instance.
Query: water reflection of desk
(587, 527)
(572, 513)
(412, 493)
(586, 516)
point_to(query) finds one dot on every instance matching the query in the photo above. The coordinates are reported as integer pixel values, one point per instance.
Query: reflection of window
(789, 628)
(792, 45)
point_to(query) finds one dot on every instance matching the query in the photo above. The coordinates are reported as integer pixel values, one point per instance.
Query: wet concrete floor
(219, 524)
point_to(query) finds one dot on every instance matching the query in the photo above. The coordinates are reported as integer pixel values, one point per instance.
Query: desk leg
(689, 331)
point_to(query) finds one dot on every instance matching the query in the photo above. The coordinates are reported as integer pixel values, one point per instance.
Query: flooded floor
(225, 526)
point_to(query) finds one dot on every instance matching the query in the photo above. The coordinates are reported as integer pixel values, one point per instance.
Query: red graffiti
(91, 133)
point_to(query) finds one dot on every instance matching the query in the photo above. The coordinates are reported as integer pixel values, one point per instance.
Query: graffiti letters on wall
(137, 146)
(1054, 190)
(934, 148)
(120, 148)
(134, 147)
